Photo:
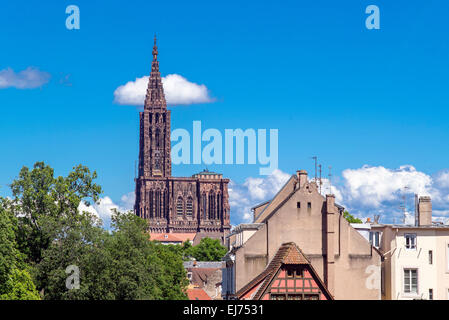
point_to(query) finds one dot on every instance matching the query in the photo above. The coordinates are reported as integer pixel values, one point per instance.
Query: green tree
(53, 235)
(15, 280)
(19, 286)
(123, 264)
(43, 203)
(350, 217)
(207, 250)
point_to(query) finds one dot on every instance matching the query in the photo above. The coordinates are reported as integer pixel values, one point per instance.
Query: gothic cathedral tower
(197, 206)
(154, 157)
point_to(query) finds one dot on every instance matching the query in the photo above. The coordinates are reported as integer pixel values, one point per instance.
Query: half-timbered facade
(289, 276)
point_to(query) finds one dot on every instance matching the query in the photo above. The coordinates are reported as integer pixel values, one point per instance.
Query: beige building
(346, 262)
(416, 257)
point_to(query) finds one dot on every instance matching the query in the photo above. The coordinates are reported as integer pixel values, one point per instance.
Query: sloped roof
(197, 294)
(273, 203)
(288, 254)
(172, 237)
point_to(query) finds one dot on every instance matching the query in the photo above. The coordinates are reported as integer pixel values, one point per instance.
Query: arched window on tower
(204, 206)
(211, 205)
(158, 138)
(189, 206)
(158, 203)
(218, 206)
(151, 204)
(179, 207)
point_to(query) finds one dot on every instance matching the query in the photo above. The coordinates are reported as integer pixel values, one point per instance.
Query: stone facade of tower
(197, 204)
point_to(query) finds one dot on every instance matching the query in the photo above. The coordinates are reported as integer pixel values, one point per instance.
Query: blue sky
(311, 69)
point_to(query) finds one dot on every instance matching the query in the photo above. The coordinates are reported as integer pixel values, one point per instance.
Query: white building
(415, 257)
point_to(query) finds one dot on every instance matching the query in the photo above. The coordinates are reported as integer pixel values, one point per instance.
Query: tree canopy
(44, 238)
(207, 250)
(15, 280)
(350, 217)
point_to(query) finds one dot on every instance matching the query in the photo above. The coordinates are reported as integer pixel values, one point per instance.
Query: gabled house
(288, 276)
(348, 264)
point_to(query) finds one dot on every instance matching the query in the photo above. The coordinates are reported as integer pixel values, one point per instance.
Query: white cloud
(378, 190)
(178, 91)
(103, 209)
(328, 188)
(253, 191)
(371, 186)
(27, 79)
(365, 192)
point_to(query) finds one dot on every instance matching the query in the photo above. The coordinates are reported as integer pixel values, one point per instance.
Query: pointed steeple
(155, 98)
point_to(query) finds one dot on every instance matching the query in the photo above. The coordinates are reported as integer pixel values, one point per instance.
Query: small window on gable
(298, 205)
(309, 205)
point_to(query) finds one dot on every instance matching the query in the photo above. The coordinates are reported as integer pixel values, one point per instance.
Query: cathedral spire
(155, 97)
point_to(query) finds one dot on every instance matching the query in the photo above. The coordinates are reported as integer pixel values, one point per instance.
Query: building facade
(197, 204)
(346, 262)
(288, 276)
(415, 257)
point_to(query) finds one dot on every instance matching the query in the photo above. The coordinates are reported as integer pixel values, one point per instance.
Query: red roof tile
(197, 294)
(172, 237)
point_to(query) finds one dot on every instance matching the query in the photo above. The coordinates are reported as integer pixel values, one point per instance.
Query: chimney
(330, 242)
(424, 211)
(302, 177)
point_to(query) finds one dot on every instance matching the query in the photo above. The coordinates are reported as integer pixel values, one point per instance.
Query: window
(430, 257)
(447, 256)
(430, 294)
(292, 272)
(311, 297)
(410, 241)
(410, 280)
(309, 205)
(374, 238)
(298, 205)
(295, 296)
(189, 206)
(179, 208)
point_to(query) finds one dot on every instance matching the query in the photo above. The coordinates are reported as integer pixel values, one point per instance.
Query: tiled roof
(172, 237)
(197, 294)
(288, 253)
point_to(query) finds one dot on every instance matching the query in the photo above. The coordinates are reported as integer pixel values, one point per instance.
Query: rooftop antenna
(404, 197)
(416, 209)
(321, 182)
(316, 164)
(330, 179)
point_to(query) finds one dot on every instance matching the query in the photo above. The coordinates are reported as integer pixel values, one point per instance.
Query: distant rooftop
(411, 226)
(207, 174)
(204, 264)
